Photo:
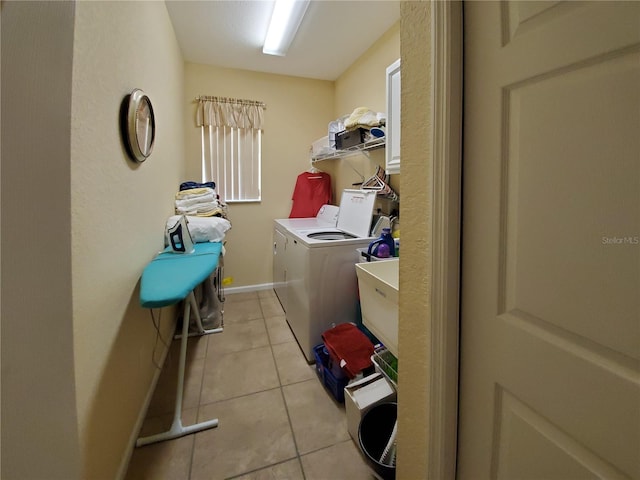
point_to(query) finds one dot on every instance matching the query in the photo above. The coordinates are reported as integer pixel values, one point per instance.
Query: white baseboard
(248, 288)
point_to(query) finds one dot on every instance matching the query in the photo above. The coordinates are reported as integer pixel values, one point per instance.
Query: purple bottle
(384, 246)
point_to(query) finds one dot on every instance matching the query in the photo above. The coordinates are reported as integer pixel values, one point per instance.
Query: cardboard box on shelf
(360, 396)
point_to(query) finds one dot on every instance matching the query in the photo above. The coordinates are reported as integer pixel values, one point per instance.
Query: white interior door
(550, 309)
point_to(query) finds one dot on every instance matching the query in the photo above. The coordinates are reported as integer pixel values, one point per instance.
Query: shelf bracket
(353, 168)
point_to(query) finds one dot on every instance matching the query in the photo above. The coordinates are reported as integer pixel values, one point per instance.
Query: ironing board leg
(196, 311)
(177, 429)
(200, 327)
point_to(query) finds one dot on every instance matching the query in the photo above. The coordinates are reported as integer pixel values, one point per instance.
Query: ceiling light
(285, 20)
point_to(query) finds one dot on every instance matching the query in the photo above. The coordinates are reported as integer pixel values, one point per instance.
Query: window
(232, 146)
(231, 157)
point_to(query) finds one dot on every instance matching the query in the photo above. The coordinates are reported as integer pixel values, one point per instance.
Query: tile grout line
(264, 304)
(240, 475)
(286, 408)
(200, 405)
(284, 400)
(193, 442)
(280, 386)
(299, 456)
(243, 395)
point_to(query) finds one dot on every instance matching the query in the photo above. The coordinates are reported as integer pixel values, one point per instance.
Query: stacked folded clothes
(200, 201)
(362, 117)
(201, 229)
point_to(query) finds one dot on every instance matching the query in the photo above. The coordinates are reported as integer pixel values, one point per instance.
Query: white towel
(203, 229)
(198, 208)
(194, 193)
(196, 200)
(362, 117)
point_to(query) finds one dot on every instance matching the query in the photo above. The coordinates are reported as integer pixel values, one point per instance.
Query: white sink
(378, 286)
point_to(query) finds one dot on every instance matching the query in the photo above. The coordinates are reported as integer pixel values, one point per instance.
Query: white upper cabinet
(392, 160)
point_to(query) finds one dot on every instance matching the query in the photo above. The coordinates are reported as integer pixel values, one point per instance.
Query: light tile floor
(276, 420)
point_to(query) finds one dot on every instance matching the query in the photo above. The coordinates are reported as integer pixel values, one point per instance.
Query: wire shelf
(370, 145)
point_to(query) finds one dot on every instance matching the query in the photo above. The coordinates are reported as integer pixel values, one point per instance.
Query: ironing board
(168, 279)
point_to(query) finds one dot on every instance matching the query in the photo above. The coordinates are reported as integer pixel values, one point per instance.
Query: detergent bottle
(384, 246)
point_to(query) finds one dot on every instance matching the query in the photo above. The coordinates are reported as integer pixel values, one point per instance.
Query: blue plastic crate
(328, 379)
(320, 361)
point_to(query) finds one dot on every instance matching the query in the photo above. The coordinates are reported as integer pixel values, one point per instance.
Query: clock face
(139, 126)
(144, 133)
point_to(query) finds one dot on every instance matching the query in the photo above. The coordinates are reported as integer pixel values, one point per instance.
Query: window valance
(229, 112)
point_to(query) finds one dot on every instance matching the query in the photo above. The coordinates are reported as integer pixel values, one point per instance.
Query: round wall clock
(138, 125)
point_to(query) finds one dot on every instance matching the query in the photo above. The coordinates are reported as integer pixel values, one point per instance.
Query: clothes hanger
(379, 183)
(374, 183)
(313, 169)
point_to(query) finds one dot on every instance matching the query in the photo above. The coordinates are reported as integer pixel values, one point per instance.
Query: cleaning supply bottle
(377, 249)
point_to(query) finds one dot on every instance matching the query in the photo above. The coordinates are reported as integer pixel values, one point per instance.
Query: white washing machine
(327, 217)
(320, 287)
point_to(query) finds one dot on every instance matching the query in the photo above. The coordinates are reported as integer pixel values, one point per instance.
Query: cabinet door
(393, 118)
(280, 267)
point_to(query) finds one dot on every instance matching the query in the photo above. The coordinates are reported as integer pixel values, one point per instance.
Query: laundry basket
(335, 384)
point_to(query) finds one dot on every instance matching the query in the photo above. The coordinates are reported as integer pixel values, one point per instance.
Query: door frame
(446, 91)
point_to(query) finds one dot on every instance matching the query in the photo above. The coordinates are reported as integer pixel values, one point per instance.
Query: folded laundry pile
(199, 199)
(361, 117)
(201, 229)
(206, 216)
(351, 348)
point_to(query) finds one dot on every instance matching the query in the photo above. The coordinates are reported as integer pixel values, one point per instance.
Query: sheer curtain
(231, 132)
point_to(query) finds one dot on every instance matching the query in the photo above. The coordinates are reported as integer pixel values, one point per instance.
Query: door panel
(535, 447)
(550, 316)
(565, 196)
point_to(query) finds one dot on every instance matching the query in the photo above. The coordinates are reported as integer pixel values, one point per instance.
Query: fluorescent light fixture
(285, 20)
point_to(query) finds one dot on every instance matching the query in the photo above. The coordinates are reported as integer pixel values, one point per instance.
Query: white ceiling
(332, 35)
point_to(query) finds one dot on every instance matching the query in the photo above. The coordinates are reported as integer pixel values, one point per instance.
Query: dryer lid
(356, 210)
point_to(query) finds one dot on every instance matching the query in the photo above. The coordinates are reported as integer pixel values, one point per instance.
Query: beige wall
(363, 84)
(39, 434)
(298, 112)
(415, 211)
(74, 341)
(118, 215)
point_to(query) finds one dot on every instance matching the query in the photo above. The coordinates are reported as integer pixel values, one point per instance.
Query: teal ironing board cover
(169, 277)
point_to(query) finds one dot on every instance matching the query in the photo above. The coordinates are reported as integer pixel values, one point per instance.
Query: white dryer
(327, 217)
(320, 286)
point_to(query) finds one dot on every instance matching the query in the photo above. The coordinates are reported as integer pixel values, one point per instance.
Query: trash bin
(374, 432)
